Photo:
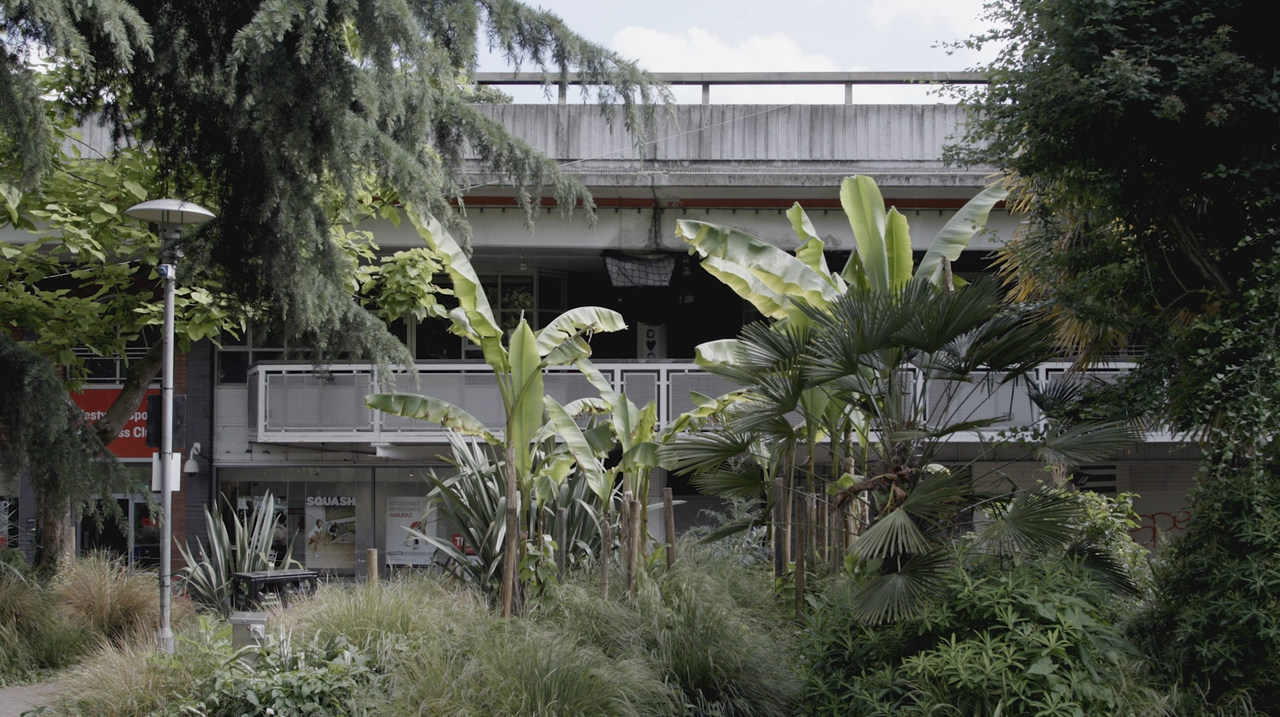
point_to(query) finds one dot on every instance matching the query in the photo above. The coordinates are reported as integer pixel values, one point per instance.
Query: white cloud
(697, 50)
(957, 18)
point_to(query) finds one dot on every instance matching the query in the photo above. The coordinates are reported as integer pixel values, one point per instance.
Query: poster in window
(405, 514)
(331, 532)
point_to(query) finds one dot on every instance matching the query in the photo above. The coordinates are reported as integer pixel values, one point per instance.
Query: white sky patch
(947, 18)
(698, 50)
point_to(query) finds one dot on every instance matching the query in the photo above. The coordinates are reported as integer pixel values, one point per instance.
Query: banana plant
(772, 279)
(518, 367)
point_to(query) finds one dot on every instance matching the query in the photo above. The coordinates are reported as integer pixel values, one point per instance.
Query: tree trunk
(141, 373)
(55, 532)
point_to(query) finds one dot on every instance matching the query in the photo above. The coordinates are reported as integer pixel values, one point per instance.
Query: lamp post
(170, 215)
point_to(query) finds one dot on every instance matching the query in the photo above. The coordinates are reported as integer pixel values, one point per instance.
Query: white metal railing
(709, 79)
(299, 403)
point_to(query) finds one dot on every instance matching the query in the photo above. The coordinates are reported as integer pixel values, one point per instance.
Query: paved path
(16, 700)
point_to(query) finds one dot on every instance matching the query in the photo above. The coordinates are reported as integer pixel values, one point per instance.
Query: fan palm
(904, 363)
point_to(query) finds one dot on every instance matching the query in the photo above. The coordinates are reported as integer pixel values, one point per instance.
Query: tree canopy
(269, 107)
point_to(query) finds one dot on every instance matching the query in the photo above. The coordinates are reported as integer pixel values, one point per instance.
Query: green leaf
(1036, 520)
(956, 235)
(723, 352)
(579, 447)
(524, 415)
(1043, 666)
(430, 409)
(886, 598)
(136, 190)
(479, 326)
(864, 205)
(750, 261)
(897, 242)
(575, 323)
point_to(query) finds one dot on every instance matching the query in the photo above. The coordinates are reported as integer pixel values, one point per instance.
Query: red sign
(131, 442)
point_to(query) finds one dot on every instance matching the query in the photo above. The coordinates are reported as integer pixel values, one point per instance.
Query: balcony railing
(299, 403)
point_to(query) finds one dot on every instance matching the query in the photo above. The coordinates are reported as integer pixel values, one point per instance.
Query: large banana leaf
(579, 448)
(956, 235)
(525, 411)
(897, 245)
(742, 282)
(723, 352)
(573, 324)
(782, 273)
(430, 409)
(474, 317)
(864, 205)
(812, 250)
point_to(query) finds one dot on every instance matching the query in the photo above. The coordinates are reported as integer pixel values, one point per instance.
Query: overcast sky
(760, 35)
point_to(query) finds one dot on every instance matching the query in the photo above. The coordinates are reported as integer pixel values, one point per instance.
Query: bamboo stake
(606, 551)
(779, 528)
(788, 510)
(562, 541)
(669, 515)
(633, 548)
(624, 539)
(802, 540)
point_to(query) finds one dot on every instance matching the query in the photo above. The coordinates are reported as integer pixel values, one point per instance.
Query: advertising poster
(405, 548)
(331, 532)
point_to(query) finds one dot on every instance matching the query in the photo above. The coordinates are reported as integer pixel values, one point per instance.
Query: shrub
(1213, 628)
(1009, 637)
(33, 634)
(99, 594)
(707, 628)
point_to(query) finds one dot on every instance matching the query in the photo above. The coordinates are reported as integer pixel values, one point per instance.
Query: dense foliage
(1141, 135)
(699, 641)
(43, 430)
(1008, 637)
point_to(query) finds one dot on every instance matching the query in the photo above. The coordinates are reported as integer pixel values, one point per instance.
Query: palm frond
(1104, 567)
(894, 596)
(938, 496)
(702, 451)
(1036, 520)
(1084, 442)
(893, 534)
(735, 480)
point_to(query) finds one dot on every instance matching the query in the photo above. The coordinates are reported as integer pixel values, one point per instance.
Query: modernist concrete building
(267, 419)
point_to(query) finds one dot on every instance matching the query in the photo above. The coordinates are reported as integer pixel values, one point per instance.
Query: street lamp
(170, 215)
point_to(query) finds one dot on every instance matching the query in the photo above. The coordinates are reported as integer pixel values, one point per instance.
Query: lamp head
(169, 212)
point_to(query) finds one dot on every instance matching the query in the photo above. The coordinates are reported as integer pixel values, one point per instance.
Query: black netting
(628, 271)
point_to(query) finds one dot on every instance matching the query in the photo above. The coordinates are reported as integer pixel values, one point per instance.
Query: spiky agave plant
(207, 577)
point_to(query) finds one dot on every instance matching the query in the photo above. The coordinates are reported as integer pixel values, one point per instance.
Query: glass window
(233, 366)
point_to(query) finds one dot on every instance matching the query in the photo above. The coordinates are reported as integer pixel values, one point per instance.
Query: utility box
(248, 629)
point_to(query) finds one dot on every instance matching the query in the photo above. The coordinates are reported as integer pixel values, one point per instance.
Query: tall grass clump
(384, 617)
(131, 679)
(103, 597)
(25, 616)
(522, 669)
(706, 628)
